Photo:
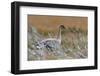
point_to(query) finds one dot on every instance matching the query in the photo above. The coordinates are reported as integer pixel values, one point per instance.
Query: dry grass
(73, 46)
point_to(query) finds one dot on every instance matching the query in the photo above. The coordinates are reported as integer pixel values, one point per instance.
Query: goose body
(51, 43)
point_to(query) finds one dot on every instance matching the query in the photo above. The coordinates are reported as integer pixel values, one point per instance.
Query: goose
(51, 43)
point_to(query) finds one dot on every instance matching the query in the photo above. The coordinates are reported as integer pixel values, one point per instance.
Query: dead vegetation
(73, 46)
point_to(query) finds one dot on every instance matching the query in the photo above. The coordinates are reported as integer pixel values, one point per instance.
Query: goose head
(62, 27)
